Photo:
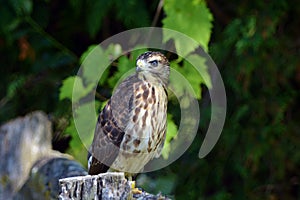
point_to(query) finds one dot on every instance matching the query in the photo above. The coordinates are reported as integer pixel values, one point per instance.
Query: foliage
(92, 66)
(257, 156)
(191, 18)
(254, 43)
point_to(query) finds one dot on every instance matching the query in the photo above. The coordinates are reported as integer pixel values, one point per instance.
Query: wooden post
(111, 185)
(106, 186)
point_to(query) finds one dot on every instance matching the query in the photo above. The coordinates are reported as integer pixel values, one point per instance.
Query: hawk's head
(153, 64)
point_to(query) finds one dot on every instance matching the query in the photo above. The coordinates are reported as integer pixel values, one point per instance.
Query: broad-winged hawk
(131, 128)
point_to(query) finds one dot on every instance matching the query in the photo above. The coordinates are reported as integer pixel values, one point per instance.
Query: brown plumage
(131, 128)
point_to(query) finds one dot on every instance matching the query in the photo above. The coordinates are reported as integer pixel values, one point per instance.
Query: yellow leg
(132, 184)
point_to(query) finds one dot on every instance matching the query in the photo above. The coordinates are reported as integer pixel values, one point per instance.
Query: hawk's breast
(146, 128)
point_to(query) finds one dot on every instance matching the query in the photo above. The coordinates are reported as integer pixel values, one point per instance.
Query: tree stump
(30, 169)
(17, 158)
(102, 186)
(106, 186)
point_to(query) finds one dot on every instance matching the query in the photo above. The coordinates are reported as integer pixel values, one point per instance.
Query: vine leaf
(192, 18)
(171, 134)
(195, 75)
(67, 90)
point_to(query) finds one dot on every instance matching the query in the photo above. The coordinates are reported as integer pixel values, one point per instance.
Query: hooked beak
(139, 66)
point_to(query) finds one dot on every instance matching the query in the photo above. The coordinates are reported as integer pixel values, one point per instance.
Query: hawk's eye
(154, 63)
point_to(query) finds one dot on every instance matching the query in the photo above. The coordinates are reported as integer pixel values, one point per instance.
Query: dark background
(255, 45)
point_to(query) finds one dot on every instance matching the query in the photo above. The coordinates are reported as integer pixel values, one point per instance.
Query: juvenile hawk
(131, 128)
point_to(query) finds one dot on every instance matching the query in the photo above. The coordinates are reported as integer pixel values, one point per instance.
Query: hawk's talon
(136, 191)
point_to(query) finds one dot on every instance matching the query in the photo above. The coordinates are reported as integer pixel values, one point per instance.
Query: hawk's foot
(134, 189)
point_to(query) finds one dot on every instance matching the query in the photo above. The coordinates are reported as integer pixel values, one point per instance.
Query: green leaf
(96, 10)
(67, 88)
(171, 134)
(94, 63)
(200, 65)
(86, 124)
(125, 65)
(8, 22)
(96, 60)
(188, 17)
(22, 6)
(87, 52)
(73, 87)
(13, 87)
(195, 75)
(76, 149)
(133, 13)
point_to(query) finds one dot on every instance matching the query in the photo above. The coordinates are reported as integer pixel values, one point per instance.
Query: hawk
(131, 129)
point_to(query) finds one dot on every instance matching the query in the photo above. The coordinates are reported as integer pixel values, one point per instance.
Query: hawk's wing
(110, 127)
